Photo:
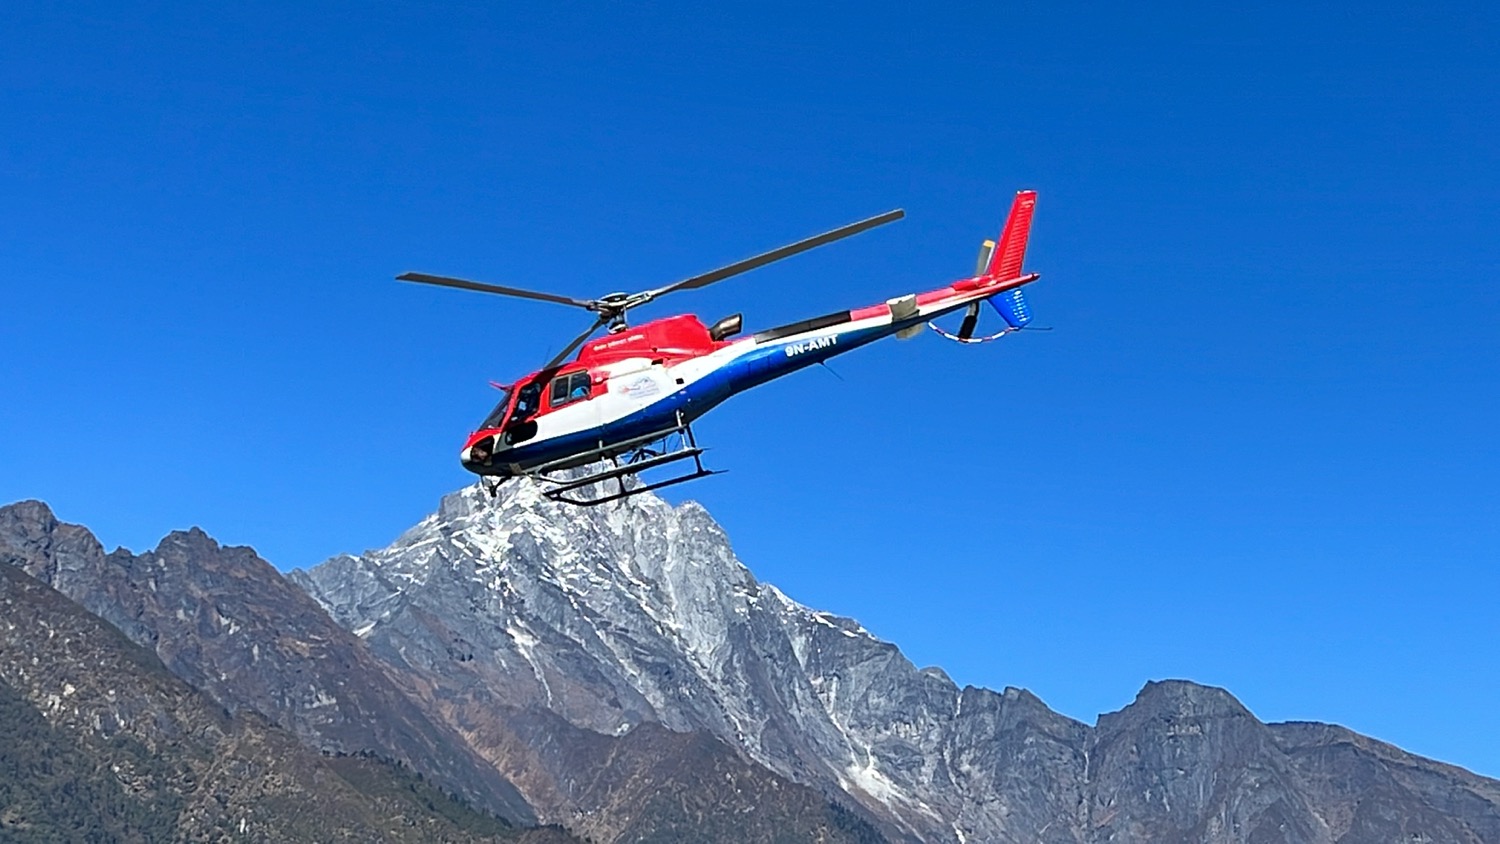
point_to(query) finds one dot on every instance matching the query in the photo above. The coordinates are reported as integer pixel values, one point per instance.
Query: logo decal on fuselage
(640, 388)
(811, 345)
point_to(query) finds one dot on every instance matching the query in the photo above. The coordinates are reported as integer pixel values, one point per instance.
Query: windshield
(497, 416)
(527, 402)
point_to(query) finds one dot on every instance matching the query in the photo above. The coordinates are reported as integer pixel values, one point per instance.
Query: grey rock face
(99, 742)
(637, 612)
(1186, 763)
(632, 613)
(227, 622)
(554, 644)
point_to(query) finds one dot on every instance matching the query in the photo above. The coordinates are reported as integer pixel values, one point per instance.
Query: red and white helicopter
(630, 397)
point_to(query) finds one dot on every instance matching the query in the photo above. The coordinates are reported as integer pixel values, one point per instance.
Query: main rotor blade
(578, 341)
(465, 284)
(764, 258)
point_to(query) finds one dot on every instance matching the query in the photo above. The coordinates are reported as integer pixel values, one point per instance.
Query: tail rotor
(999, 262)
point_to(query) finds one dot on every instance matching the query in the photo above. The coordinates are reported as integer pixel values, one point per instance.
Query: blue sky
(1258, 450)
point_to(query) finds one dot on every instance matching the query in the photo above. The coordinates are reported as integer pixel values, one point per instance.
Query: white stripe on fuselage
(635, 384)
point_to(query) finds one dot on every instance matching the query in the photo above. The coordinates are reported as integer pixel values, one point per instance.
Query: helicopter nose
(478, 453)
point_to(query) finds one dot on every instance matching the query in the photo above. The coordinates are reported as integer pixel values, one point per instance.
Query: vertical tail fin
(1006, 258)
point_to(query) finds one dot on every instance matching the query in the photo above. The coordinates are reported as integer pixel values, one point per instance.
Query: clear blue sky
(1258, 451)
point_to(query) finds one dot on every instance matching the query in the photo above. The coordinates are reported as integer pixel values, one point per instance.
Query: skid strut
(626, 460)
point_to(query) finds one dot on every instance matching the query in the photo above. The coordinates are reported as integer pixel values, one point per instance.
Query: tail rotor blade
(986, 249)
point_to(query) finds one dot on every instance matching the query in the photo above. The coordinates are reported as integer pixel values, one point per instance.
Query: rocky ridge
(638, 613)
(226, 622)
(102, 743)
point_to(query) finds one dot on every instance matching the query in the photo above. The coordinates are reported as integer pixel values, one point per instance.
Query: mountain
(617, 618)
(102, 743)
(615, 671)
(229, 624)
(226, 622)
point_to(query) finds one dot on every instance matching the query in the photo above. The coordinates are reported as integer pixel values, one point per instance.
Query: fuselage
(668, 372)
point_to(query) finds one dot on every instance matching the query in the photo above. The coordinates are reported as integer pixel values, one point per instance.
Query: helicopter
(627, 402)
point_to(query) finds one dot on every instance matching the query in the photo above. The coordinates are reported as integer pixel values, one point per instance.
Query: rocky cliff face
(101, 743)
(226, 622)
(637, 613)
(621, 669)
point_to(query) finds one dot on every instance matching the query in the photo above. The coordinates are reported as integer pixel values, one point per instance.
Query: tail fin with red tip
(1005, 259)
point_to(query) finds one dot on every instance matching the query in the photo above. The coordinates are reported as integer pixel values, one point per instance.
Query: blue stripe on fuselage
(764, 363)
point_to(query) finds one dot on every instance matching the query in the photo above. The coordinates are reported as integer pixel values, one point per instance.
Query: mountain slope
(102, 743)
(227, 622)
(636, 613)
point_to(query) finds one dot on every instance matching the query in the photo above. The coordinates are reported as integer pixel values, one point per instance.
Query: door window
(569, 388)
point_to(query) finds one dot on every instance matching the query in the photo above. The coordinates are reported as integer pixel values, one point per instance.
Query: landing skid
(624, 461)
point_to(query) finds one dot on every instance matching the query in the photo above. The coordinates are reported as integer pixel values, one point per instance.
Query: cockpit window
(497, 416)
(528, 401)
(569, 388)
